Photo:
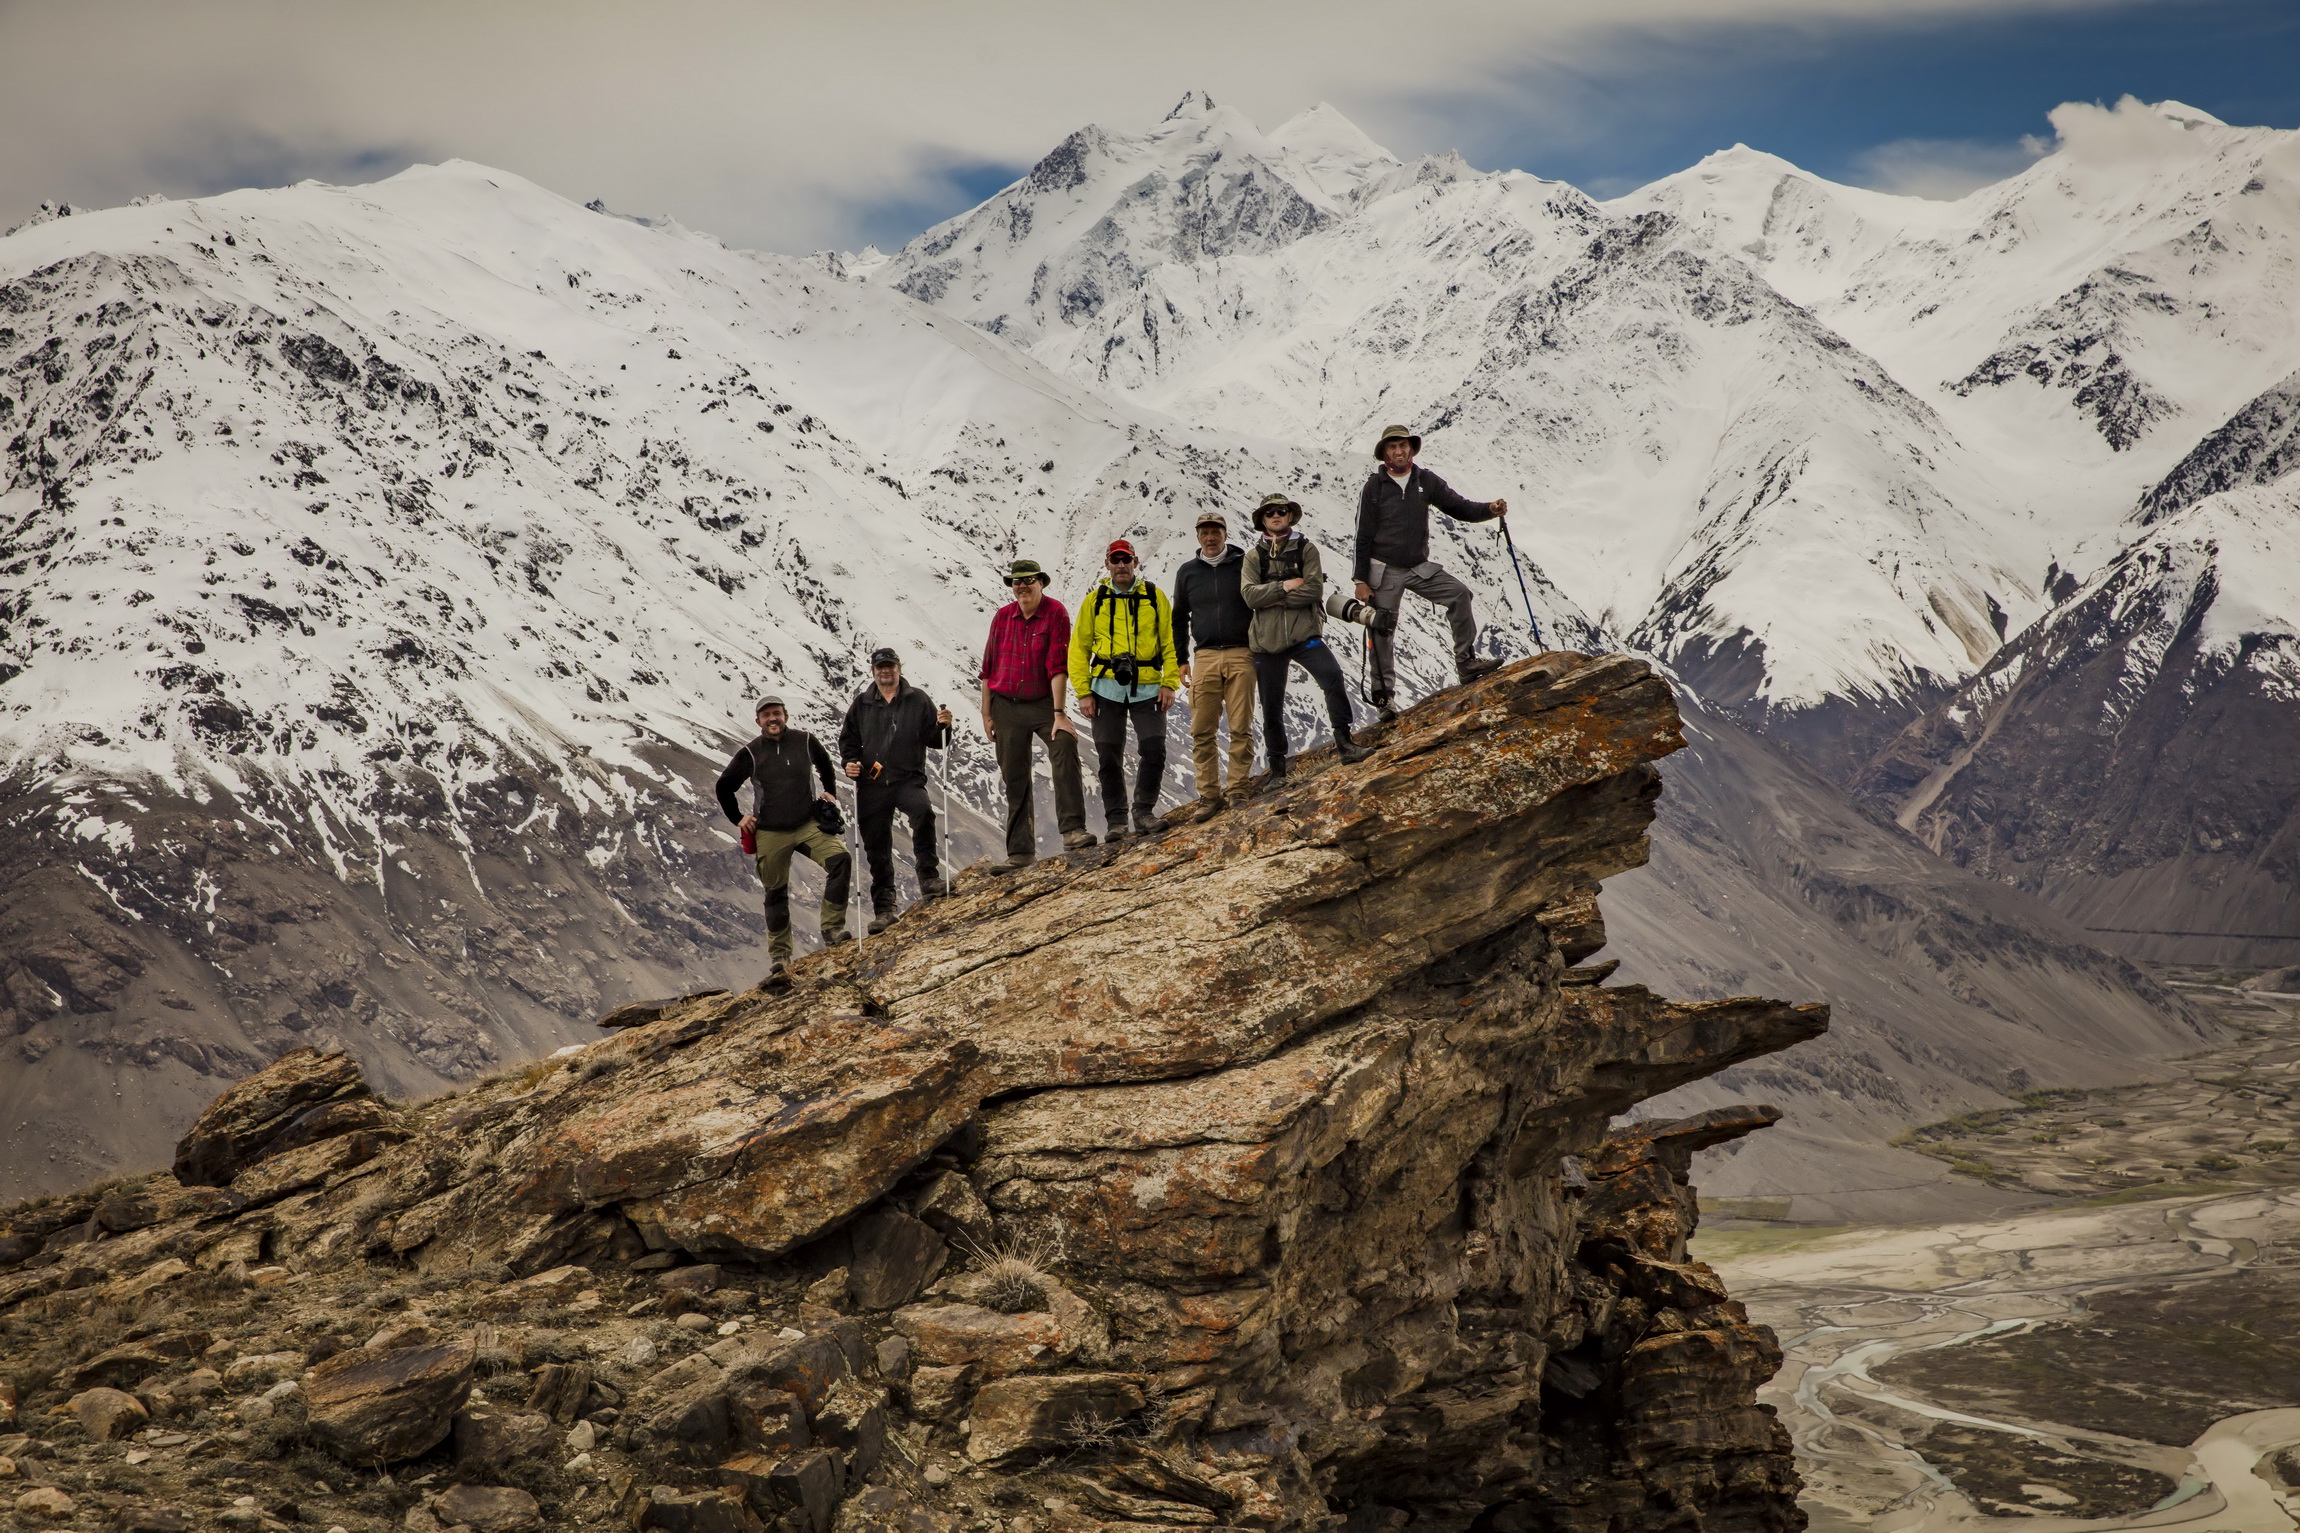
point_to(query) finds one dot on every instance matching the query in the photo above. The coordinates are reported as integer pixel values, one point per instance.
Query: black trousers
(1016, 725)
(1271, 673)
(875, 804)
(1110, 756)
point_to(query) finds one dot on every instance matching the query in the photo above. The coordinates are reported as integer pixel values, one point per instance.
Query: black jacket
(1394, 524)
(893, 736)
(778, 769)
(1207, 607)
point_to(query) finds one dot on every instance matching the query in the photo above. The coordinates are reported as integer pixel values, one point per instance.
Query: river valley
(2121, 1352)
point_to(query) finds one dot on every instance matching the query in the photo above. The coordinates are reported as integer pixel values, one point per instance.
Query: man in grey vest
(1392, 557)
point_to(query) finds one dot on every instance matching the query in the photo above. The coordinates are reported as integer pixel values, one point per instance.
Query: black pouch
(827, 817)
(1126, 670)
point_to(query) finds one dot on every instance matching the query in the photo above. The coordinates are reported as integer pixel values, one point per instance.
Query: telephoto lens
(1349, 609)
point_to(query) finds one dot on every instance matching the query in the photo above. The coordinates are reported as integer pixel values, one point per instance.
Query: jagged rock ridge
(1305, 1208)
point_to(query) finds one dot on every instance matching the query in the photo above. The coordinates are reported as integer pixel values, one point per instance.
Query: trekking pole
(942, 820)
(1530, 621)
(858, 881)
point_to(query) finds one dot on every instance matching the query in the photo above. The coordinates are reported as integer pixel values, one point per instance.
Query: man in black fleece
(783, 821)
(1392, 557)
(1209, 612)
(889, 728)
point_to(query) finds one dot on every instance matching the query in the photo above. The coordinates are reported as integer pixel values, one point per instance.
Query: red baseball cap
(1120, 546)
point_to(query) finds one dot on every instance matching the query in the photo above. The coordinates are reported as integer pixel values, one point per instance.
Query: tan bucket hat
(1396, 434)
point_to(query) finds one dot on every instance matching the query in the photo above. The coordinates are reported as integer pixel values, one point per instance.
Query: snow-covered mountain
(1821, 448)
(389, 568)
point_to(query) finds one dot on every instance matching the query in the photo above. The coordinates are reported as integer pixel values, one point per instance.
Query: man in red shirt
(1025, 672)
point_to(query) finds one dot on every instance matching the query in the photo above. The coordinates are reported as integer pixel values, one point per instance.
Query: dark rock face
(2258, 444)
(1306, 1210)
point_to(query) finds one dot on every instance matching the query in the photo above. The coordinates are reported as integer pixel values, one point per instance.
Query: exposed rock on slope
(2128, 757)
(1274, 1150)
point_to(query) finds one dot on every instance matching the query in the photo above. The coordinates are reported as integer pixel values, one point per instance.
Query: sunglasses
(1121, 558)
(1025, 581)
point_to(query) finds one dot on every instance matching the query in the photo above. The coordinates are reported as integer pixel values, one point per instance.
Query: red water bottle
(750, 843)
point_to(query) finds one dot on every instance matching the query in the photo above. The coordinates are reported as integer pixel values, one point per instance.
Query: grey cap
(769, 702)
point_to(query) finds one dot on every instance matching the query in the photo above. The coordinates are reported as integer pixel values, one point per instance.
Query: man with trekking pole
(788, 818)
(889, 728)
(1392, 557)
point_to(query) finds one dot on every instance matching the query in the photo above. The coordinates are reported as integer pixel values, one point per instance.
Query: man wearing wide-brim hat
(1392, 556)
(1025, 672)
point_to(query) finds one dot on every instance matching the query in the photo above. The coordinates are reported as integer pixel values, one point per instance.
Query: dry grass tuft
(1013, 1276)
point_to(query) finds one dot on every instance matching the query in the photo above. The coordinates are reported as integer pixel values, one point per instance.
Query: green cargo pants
(775, 849)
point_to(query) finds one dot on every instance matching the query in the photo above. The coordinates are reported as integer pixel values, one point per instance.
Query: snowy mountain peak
(1102, 208)
(1335, 150)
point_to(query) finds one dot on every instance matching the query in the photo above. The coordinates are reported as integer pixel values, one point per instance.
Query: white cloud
(2132, 132)
(1944, 168)
(775, 123)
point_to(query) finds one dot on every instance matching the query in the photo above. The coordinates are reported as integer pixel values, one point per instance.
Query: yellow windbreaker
(1138, 621)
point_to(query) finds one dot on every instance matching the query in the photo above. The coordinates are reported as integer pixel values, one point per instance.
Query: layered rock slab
(1272, 1156)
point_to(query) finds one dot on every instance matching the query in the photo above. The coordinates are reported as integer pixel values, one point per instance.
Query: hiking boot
(882, 921)
(1481, 665)
(1385, 712)
(1115, 833)
(1079, 840)
(778, 977)
(1147, 822)
(937, 888)
(1349, 752)
(1013, 864)
(838, 938)
(1276, 775)
(1208, 807)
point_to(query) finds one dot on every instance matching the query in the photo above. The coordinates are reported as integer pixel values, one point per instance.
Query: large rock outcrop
(1258, 1175)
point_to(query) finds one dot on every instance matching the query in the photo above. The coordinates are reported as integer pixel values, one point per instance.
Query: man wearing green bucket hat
(1392, 557)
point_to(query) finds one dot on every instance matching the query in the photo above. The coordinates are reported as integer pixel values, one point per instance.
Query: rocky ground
(1304, 1216)
(2125, 1347)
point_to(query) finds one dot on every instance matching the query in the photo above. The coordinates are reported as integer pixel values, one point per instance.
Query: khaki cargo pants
(829, 853)
(1221, 689)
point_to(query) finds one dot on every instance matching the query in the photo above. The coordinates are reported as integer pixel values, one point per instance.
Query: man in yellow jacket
(1122, 667)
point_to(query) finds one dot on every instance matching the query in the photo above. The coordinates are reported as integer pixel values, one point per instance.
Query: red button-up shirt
(1025, 654)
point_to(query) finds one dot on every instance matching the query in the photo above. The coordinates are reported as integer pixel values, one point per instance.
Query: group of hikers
(1233, 626)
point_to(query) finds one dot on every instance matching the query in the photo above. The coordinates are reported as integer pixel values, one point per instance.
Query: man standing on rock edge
(1025, 670)
(1122, 668)
(1209, 611)
(783, 822)
(1392, 557)
(889, 728)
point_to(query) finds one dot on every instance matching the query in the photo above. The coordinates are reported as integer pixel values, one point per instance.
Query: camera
(1126, 670)
(1349, 609)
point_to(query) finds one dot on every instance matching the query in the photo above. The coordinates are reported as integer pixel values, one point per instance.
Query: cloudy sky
(797, 126)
